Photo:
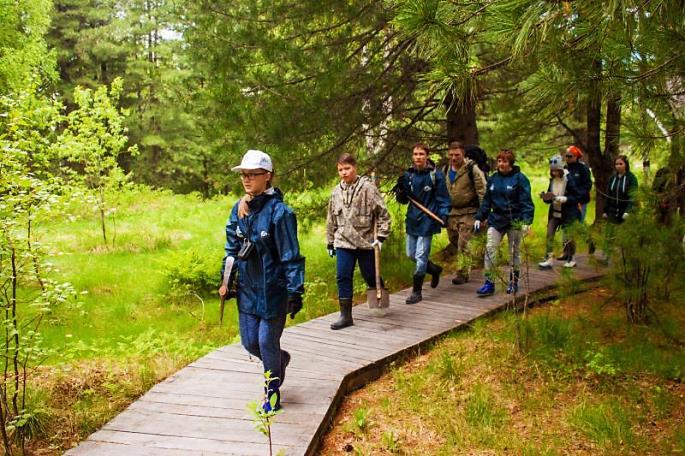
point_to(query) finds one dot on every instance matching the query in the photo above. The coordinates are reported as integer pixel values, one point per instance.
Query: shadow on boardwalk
(202, 408)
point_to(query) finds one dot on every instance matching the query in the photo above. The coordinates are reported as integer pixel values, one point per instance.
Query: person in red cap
(580, 172)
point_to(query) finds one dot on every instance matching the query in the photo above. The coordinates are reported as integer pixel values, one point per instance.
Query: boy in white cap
(261, 237)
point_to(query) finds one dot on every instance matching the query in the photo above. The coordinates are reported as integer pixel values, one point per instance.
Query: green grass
(583, 386)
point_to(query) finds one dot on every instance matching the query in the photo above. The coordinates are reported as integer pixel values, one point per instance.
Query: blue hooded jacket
(507, 200)
(428, 187)
(275, 269)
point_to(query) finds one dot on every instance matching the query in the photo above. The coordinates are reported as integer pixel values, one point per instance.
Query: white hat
(556, 162)
(254, 159)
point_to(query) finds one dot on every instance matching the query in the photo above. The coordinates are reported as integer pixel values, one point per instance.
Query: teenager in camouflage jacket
(357, 221)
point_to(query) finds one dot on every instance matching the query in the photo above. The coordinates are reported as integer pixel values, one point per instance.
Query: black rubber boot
(434, 270)
(345, 319)
(415, 295)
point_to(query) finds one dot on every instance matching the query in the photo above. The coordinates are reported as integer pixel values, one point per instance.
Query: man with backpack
(424, 187)
(466, 184)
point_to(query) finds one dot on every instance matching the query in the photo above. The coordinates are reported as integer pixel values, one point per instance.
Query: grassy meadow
(146, 303)
(588, 384)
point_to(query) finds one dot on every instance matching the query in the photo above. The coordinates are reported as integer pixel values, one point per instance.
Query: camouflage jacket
(352, 212)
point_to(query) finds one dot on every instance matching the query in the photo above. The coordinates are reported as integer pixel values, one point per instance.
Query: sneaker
(547, 264)
(570, 264)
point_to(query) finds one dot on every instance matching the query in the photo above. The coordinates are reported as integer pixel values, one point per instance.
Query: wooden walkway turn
(202, 408)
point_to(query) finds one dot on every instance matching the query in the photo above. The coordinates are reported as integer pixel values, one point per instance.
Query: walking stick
(225, 286)
(425, 210)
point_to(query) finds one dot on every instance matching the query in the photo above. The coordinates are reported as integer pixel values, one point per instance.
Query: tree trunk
(461, 120)
(602, 164)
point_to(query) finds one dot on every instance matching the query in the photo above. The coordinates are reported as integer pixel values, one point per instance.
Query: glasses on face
(569, 155)
(250, 176)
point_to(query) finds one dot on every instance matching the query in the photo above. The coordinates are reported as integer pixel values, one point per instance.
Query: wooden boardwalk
(202, 408)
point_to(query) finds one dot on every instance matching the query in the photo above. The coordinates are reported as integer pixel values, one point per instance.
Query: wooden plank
(163, 444)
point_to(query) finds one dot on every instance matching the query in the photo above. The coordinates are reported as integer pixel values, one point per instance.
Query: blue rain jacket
(275, 270)
(428, 187)
(507, 200)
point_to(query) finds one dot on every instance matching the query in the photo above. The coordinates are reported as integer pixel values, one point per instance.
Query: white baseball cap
(254, 159)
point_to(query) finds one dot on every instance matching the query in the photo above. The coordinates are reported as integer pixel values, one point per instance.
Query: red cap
(575, 150)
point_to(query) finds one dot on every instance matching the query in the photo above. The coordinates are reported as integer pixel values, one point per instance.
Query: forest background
(120, 120)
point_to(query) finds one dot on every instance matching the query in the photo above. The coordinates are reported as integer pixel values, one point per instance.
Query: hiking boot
(460, 279)
(434, 270)
(488, 289)
(513, 286)
(345, 319)
(415, 295)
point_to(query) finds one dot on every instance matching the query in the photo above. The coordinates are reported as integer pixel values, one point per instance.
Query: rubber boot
(513, 282)
(285, 360)
(488, 289)
(434, 270)
(345, 319)
(415, 295)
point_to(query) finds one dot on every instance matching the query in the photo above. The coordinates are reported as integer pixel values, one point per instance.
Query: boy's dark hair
(347, 159)
(423, 146)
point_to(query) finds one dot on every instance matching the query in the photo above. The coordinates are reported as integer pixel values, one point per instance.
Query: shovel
(378, 298)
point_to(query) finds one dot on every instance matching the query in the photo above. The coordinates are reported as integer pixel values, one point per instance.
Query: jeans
(494, 239)
(418, 250)
(345, 262)
(262, 338)
(583, 212)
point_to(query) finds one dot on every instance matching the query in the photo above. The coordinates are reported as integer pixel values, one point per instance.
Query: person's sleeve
(288, 247)
(485, 205)
(331, 223)
(632, 192)
(442, 196)
(588, 179)
(479, 182)
(573, 192)
(232, 245)
(526, 201)
(381, 214)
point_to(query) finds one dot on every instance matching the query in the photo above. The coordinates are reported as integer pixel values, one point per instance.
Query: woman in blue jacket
(261, 235)
(426, 185)
(508, 208)
(563, 197)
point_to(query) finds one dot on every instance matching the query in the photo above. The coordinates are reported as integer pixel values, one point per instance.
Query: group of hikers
(263, 258)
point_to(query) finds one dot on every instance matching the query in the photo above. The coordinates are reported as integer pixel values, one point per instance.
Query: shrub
(191, 273)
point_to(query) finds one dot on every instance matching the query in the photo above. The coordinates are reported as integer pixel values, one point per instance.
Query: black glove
(331, 250)
(294, 305)
(401, 190)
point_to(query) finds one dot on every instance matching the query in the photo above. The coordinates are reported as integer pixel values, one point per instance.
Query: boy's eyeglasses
(250, 176)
